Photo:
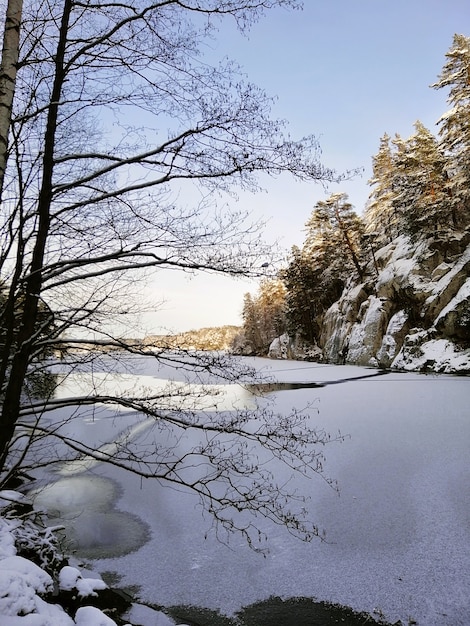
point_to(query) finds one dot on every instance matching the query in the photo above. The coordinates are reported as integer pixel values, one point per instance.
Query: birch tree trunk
(8, 67)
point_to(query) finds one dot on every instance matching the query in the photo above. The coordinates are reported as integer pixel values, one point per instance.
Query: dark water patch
(277, 612)
(301, 612)
(261, 388)
(198, 616)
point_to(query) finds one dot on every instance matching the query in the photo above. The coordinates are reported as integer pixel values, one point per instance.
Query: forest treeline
(420, 188)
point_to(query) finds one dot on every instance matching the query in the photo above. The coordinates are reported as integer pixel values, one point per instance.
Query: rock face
(284, 347)
(413, 315)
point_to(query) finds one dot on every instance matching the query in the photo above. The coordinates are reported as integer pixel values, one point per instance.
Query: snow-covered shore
(28, 592)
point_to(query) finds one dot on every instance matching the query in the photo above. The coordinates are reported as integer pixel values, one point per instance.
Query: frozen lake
(397, 537)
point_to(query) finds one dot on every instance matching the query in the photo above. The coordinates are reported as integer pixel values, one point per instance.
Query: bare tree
(123, 139)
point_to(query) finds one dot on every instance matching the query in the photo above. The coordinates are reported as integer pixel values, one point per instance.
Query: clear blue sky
(346, 71)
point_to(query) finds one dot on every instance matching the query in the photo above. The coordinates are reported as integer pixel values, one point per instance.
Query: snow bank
(7, 540)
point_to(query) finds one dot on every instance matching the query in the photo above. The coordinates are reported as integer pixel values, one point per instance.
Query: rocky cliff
(414, 314)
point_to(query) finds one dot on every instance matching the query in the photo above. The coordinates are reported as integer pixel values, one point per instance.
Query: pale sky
(346, 71)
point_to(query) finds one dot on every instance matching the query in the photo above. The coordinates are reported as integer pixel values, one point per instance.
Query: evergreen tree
(455, 126)
(264, 316)
(250, 322)
(336, 231)
(350, 228)
(271, 302)
(380, 218)
(316, 274)
(420, 194)
(306, 297)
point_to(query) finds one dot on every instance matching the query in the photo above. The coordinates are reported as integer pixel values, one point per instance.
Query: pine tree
(455, 126)
(316, 274)
(350, 228)
(335, 227)
(250, 323)
(380, 217)
(264, 316)
(420, 194)
(271, 302)
(306, 297)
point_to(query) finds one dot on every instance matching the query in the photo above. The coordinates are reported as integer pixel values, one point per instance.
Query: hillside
(218, 338)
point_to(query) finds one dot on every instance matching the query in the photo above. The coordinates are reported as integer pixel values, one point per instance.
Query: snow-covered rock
(433, 355)
(454, 319)
(393, 338)
(415, 303)
(71, 579)
(31, 573)
(280, 348)
(91, 616)
(25, 587)
(366, 334)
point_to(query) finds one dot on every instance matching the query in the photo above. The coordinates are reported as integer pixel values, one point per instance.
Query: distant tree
(118, 117)
(455, 126)
(272, 303)
(264, 315)
(251, 324)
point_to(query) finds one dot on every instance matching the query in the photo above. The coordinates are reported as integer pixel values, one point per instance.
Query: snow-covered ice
(397, 537)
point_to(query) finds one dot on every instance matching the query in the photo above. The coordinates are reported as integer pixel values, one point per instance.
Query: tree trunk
(33, 284)
(8, 68)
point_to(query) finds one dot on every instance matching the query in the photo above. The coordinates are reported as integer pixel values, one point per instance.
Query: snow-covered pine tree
(348, 228)
(316, 274)
(380, 218)
(420, 194)
(455, 126)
